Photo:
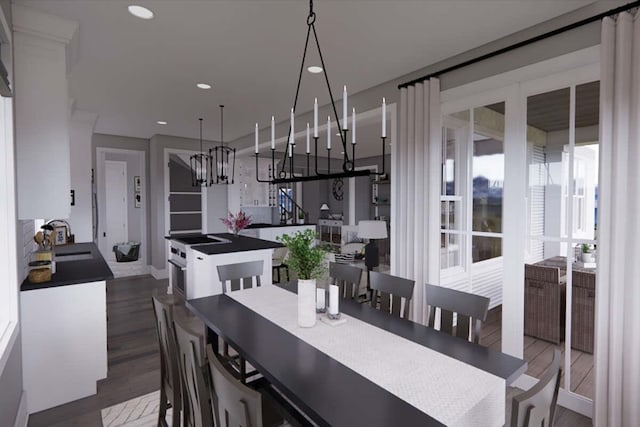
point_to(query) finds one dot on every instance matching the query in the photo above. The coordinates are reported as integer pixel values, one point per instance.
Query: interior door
(115, 222)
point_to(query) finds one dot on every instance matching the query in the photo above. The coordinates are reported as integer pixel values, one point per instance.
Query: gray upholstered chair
(196, 403)
(240, 276)
(544, 302)
(537, 406)
(471, 311)
(391, 294)
(347, 278)
(170, 386)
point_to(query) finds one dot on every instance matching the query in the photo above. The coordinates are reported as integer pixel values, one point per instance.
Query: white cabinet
(42, 113)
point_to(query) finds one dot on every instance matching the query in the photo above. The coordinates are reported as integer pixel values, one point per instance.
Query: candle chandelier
(287, 171)
(200, 166)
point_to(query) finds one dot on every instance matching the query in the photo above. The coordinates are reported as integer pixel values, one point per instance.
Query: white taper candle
(256, 138)
(353, 126)
(273, 133)
(308, 138)
(329, 133)
(293, 129)
(345, 119)
(384, 118)
(333, 299)
(315, 118)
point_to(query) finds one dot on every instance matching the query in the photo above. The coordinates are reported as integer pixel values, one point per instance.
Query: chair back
(234, 403)
(197, 408)
(169, 371)
(541, 273)
(471, 311)
(347, 278)
(278, 256)
(393, 293)
(537, 406)
(240, 276)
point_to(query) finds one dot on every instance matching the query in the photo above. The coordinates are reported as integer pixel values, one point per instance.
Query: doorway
(116, 225)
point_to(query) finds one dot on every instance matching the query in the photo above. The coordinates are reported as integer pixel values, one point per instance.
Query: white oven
(177, 268)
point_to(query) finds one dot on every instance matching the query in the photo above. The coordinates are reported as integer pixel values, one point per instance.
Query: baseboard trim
(159, 274)
(22, 417)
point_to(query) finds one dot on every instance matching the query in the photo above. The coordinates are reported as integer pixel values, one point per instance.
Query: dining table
(372, 370)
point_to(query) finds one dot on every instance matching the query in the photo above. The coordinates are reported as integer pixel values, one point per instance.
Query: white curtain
(416, 213)
(617, 353)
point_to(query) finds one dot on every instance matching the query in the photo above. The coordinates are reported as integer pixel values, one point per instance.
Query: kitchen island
(64, 329)
(201, 259)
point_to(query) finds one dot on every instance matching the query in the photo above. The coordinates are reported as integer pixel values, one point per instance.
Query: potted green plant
(307, 260)
(587, 253)
(300, 217)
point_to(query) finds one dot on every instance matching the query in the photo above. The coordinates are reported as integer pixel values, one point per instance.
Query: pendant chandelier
(200, 166)
(288, 171)
(224, 158)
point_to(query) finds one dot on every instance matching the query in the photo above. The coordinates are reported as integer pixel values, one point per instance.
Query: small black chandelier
(200, 166)
(287, 172)
(224, 158)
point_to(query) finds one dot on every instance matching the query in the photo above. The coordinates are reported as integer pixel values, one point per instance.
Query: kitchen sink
(74, 256)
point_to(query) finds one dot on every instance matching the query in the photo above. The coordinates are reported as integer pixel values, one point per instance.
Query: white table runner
(452, 392)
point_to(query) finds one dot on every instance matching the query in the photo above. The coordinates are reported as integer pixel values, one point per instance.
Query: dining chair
(537, 406)
(471, 311)
(240, 275)
(278, 264)
(170, 386)
(236, 404)
(393, 293)
(196, 404)
(347, 278)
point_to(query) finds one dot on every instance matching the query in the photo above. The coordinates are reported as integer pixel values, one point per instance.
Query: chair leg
(162, 410)
(286, 269)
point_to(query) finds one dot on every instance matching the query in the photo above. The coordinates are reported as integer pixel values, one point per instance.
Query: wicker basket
(583, 307)
(544, 302)
(40, 275)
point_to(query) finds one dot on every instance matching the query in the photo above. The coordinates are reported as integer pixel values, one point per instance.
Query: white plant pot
(306, 303)
(301, 221)
(588, 257)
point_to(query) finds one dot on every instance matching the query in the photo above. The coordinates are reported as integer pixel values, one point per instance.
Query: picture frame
(59, 235)
(137, 199)
(137, 184)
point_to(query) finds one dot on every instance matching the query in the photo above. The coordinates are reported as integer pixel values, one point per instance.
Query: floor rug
(138, 412)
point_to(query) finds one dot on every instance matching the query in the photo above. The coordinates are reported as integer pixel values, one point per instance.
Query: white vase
(588, 257)
(306, 303)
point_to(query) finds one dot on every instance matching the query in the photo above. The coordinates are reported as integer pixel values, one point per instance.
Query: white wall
(80, 220)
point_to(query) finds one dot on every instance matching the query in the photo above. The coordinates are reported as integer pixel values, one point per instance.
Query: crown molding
(36, 23)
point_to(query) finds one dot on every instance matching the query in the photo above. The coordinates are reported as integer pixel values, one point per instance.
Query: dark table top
(261, 225)
(236, 244)
(74, 272)
(327, 391)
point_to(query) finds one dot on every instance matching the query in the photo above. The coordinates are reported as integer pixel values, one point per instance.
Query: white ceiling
(133, 72)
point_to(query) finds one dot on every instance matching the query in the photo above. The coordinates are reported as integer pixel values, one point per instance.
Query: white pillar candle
(334, 293)
(273, 132)
(293, 129)
(256, 138)
(353, 126)
(384, 118)
(329, 133)
(320, 299)
(315, 118)
(344, 108)
(308, 138)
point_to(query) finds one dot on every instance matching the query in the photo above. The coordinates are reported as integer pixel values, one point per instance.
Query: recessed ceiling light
(314, 69)
(204, 86)
(161, 122)
(140, 12)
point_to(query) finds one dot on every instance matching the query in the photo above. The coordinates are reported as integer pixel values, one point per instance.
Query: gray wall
(137, 144)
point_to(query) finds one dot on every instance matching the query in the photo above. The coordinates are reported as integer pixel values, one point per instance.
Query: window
(471, 195)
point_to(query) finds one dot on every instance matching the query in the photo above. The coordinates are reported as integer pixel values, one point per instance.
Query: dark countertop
(74, 272)
(253, 226)
(238, 244)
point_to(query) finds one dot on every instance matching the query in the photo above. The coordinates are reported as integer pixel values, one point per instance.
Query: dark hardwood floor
(134, 363)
